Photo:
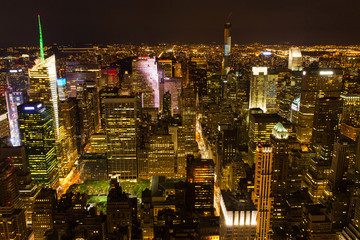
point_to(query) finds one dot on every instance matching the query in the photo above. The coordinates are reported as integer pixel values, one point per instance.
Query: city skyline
(181, 141)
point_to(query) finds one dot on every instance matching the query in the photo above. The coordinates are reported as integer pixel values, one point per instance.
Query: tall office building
(9, 188)
(295, 59)
(288, 92)
(271, 91)
(37, 135)
(167, 110)
(120, 128)
(227, 47)
(68, 119)
(258, 88)
(350, 118)
(174, 87)
(317, 83)
(43, 215)
(317, 177)
(260, 128)
(261, 195)
(43, 84)
(13, 99)
(282, 144)
(145, 79)
(200, 174)
(188, 108)
(326, 125)
(43, 88)
(103, 94)
(162, 157)
(4, 125)
(166, 67)
(340, 161)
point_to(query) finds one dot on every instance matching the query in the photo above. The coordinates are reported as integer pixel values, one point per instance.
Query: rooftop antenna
(41, 42)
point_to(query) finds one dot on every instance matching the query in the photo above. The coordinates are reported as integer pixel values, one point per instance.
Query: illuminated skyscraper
(187, 133)
(350, 119)
(68, 118)
(43, 84)
(145, 79)
(258, 84)
(261, 195)
(316, 83)
(227, 46)
(282, 144)
(295, 59)
(271, 91)
(167, 104)
(161, 158)
(4, 125)
(43, 216)
(43, 87)
(103, 94)
(166, 67)
(326, 125)
(317, 178)
(200, 174)
(174, 87)
(120, 127)
(13, 99)
(260, 128)
(37, 135)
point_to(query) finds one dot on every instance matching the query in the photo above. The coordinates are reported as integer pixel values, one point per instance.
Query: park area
(97, 191)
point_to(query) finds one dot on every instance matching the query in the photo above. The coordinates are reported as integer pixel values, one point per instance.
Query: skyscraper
(326, 125)
(120, 127)
(167, 110)
(37, 135)
(9, 188)
(227, 46)
(43, 83)
(13, 99)
(261, 195)
(282, 144)
(145, 79)
(260, 128)
(295, 59)
(317, 83)
(188, 131)
(258, 84)
(43, 214)
(350, 119)
(200, 174)
(161, 158)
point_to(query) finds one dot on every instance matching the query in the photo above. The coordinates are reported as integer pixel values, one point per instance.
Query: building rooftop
(233, 203)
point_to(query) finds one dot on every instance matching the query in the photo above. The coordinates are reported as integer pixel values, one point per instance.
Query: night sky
(184, 21)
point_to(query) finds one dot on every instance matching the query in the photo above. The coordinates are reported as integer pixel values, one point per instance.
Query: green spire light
(41, 42)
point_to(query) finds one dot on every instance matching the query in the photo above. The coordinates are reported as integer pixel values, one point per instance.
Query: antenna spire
(41, 42)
